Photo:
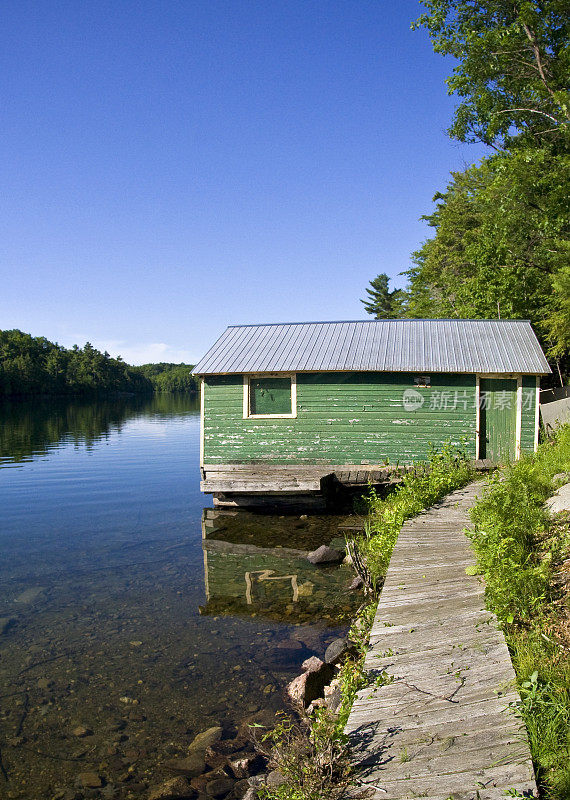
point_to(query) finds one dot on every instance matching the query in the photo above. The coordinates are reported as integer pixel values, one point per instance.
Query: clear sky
(169, 167)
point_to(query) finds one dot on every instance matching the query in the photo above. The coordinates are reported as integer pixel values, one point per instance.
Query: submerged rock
(311, 638)
(261, 719)
(286, 652)
(325, 555)
(89, 780)
(173, 789)
(81, 731)
(205, 739)
(356, 584)
(192, 765)
(219, 787)
(30, 595)
(5, 623)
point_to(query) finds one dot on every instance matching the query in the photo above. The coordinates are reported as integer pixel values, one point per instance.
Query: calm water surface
(129, 609)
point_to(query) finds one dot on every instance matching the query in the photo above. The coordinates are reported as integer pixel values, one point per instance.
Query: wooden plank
(268, 478)
(260, 487)
(442, 726)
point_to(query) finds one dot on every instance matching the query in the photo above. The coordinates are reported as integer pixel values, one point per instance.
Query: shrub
(519, 549)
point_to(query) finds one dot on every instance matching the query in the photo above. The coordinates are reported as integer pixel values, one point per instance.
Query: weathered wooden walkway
(442, 728)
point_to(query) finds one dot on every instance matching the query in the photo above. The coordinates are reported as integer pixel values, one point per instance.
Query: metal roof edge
(384, 319)
(386, 371)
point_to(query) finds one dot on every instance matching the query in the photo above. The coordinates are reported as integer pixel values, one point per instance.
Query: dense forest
(166, 377)
(32, 365)
(501, 241)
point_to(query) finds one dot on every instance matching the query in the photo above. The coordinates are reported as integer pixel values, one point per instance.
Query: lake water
(130, 608)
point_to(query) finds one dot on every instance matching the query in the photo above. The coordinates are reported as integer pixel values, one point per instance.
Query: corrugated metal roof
(384, 345)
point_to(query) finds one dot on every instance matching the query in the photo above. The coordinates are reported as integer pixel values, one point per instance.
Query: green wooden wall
(528, 419)
(342, 418)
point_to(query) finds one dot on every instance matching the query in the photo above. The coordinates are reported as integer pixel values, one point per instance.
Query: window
(270, 396)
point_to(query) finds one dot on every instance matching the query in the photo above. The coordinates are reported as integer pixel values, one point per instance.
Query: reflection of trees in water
(32, 427)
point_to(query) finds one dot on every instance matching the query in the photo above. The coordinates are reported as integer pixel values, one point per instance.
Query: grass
(521, 553)
(311, 753)
(446, 470)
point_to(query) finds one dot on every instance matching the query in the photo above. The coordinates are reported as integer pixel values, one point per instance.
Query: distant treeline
(167, 377)
(34, 365)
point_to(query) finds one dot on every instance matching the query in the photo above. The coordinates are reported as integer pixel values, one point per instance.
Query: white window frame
(246, 394)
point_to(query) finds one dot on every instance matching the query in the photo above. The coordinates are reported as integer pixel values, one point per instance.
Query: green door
(498, 419)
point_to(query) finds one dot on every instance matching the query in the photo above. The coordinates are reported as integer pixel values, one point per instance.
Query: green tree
(34, 365)
(502, 235)
(501, 241)
(558, 322)
(512, 71)
(167, 377)
(382, 303)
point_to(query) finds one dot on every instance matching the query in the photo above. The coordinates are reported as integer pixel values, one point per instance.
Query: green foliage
(166, 377)
(519, 549)
(352, 676)
(447, 469)
(382, 303)
(311, 754)
(502, 232)
(509, 521)
(33, 365)
(557, 323)
(512, 68)
(543, 673)
(501, 246)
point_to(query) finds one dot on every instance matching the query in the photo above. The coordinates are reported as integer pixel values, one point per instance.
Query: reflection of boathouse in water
(264, 579)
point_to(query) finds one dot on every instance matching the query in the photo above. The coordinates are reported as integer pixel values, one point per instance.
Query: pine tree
(382, 303)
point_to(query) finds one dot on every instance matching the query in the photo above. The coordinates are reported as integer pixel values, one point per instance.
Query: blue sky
(169, 168)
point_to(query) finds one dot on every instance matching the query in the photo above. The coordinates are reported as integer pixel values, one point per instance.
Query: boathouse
(286, 406)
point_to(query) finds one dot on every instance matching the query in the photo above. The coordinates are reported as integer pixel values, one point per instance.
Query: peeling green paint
(349, 418)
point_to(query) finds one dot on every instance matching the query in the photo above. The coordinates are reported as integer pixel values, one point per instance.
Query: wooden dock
(259, 484)
(442, 728)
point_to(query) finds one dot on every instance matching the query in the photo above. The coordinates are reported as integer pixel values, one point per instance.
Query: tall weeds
(519, 551)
